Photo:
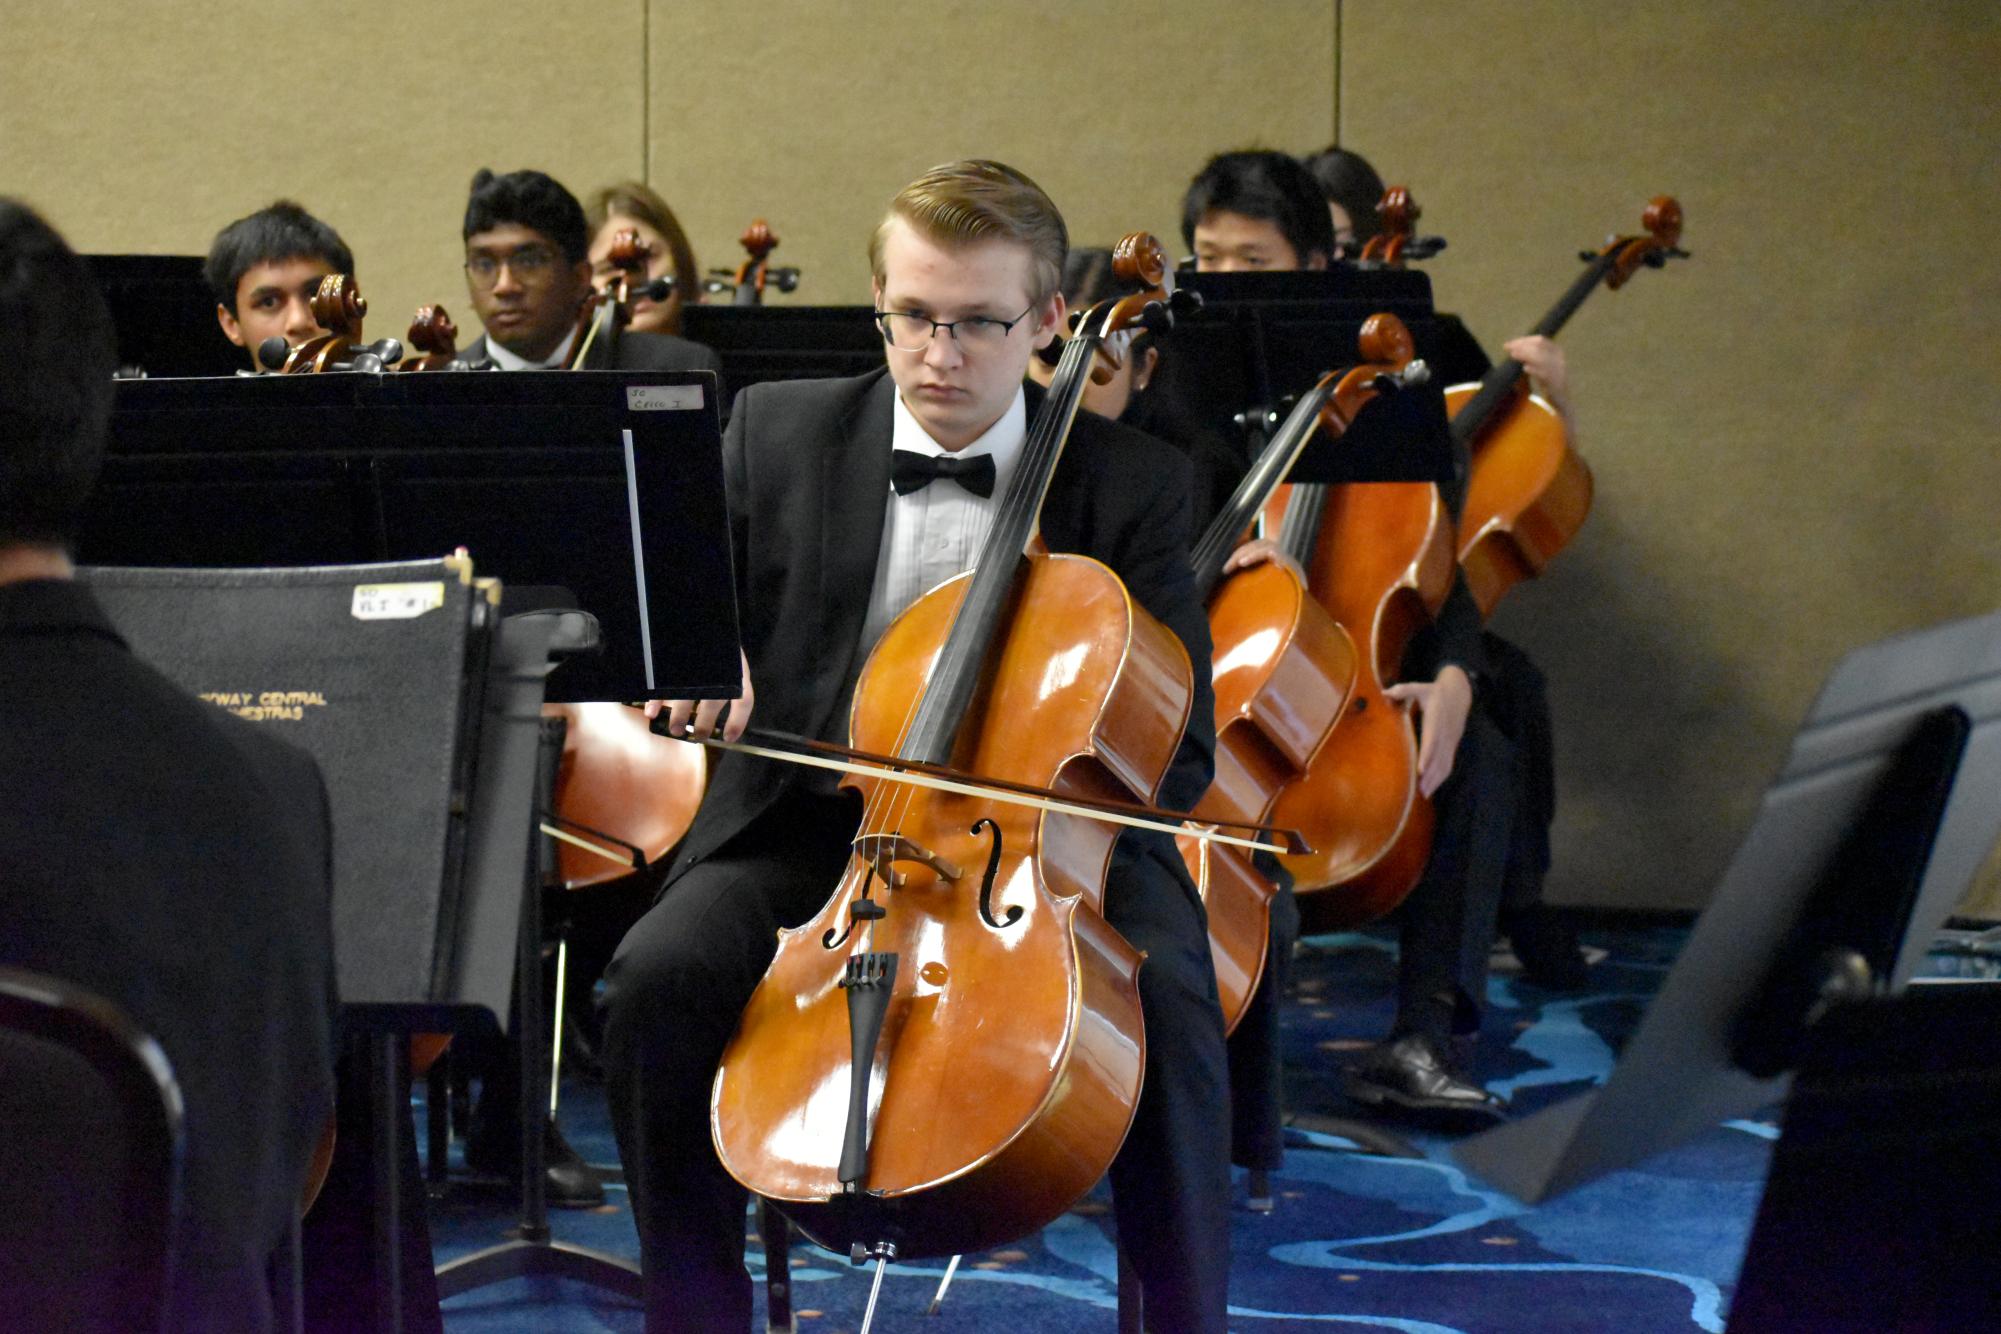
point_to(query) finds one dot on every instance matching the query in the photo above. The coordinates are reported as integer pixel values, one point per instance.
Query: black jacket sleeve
(1154, 566)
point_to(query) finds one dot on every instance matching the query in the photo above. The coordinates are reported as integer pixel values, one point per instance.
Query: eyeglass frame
(1006, 327)
(533, 272)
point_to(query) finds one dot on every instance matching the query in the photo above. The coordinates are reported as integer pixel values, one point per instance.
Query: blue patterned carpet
(1409, 1245)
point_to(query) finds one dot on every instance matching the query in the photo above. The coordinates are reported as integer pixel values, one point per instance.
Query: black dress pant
(1257, 1069)
(1516, 696)
(1447, 922)
(683, 974)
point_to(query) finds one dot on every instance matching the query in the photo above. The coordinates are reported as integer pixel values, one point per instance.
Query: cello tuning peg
(1184, 301)
(1415, 373)
(1156, 317)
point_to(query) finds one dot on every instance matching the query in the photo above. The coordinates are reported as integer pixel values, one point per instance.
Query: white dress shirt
(935, 532)
(503, 360)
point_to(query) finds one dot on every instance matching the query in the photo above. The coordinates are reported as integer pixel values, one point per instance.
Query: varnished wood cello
(1284, 671)
(1378, 558)
(950, 1052)
(1527, 489)
(746, 286)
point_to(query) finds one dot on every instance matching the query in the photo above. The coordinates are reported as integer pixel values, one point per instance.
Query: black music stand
(608, 484)
(1885, 809)
(759, 343)
(164, 315)
(1261, 339)
(531, 473)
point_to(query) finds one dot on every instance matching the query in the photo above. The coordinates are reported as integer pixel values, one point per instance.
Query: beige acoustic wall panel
(1794, 433)
(812, 115)
(145, 127)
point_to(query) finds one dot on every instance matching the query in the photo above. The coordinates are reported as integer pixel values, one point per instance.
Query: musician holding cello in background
(264, 269)
(848, 499)
(637, 208)
(1518, 695)
(1259, 210)
(528, 274)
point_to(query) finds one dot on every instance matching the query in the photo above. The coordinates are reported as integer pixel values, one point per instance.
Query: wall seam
(1340, 86)
(646, 91)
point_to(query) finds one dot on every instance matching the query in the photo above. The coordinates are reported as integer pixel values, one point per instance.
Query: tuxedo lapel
(474, 354)
(854, 490)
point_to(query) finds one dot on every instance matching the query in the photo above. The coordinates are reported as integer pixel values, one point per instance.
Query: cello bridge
(883, 851)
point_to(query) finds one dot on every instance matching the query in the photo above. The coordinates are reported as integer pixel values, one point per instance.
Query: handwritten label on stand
(663, 397)
(396, 602)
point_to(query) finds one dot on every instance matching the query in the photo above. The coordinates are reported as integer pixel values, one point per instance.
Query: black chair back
(90, 1161)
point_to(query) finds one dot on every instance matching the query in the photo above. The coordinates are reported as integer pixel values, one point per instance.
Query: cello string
(1008, 515)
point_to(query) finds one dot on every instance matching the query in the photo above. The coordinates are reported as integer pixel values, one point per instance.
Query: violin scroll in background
(338, 307)
(435, 338)
(746, 286)
(1398, 240)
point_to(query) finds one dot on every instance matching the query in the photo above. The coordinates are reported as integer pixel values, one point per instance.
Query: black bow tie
(910, 471)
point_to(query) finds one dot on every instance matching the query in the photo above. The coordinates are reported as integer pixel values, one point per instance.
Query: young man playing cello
(1262, 210)
(829, 549)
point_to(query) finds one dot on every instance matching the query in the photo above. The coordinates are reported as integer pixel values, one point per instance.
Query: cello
(1378, 558)
(435, 339)
(603, 314)
(1527, 490)
(747, 284)
(949, 1053)
(1284, 671)
(338, 307)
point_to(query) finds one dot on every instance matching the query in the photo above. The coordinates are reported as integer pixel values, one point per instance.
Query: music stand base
(539, 1259)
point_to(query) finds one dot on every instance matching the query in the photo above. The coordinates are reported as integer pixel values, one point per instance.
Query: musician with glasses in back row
(528, 273)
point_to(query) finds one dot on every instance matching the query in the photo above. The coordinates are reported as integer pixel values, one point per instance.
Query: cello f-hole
(987, 880)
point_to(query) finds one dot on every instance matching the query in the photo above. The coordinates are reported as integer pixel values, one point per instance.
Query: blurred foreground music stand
(1887, 805)
(377, 671)
(606, 483)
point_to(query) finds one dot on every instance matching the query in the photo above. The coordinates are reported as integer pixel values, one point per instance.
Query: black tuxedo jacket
(631, 352)
(177, 861)
(806, 466)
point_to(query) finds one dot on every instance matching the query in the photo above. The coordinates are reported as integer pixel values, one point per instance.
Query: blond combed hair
(974, 200)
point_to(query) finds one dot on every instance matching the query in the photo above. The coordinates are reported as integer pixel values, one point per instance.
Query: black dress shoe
(1410, 1073)
(567, 1180)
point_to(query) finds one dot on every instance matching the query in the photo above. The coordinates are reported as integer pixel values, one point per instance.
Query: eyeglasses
(529, 264)
(913, 333)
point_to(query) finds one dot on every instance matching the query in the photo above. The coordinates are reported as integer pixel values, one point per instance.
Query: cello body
(1012, 1053)
(1283, 673)
(1381, 565)
(1527, 494)
(621, 778)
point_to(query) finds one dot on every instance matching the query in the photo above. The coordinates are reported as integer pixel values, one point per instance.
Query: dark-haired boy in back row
(264, 269)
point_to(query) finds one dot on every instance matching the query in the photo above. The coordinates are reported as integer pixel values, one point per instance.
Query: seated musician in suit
(828, 551)
(632, 206)
(1261, 210)
(528, 272)
(170, 857)
(1519, 698)
(264, 270)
